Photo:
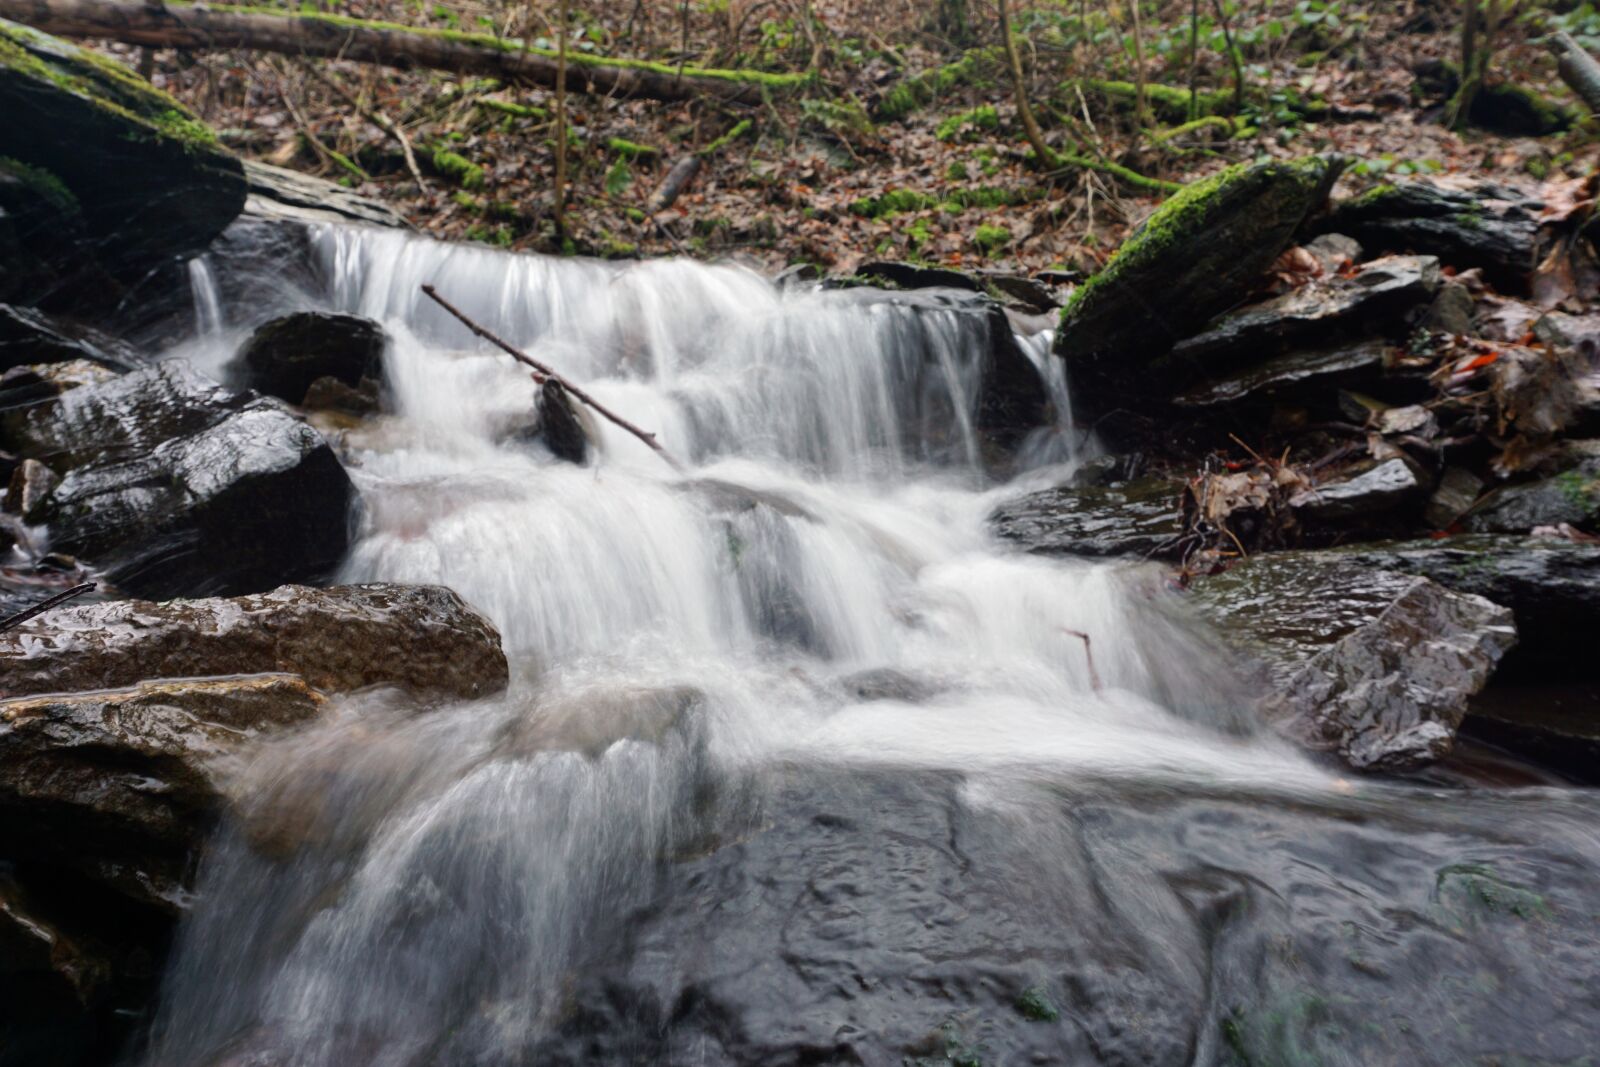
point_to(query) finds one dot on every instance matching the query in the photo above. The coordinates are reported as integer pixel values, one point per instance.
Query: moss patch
(1167, 103)
(458, 168)
(924, 88)
(983, 117)
(45, 185)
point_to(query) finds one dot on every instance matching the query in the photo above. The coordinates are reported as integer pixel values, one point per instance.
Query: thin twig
(1088, 654)
(40, 608)
(543, 371)
(377, 118)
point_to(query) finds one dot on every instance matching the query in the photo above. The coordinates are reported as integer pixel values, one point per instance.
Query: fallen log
(1578, 68)
(215, 26)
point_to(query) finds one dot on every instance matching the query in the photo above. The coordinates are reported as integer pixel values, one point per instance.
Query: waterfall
(208, 321)
(817, 595)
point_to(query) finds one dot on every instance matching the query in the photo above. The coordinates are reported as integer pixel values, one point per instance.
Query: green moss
(45, 185)
(1469, 890)
(982, 117)
(632, 149)
(893, 203)
(838, 116)
(1183, 215)
(762, 78)
(104, 83)
(740, 128)
(516, 111)
(924, 88)
(466, 200)
(956, 172)
(458, 168)
(991, 239)
(1036, 1006)
(897, 201)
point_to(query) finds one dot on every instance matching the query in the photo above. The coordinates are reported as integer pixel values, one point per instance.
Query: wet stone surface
(1136, 518)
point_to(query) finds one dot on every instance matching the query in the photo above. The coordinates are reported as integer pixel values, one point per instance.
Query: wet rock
(1451, 311)
(21, 386)
(1293, 373)
(30, 487)
(282, 358)
(1369, 301)
(1334, 251)
(1137, 518)
(30, 336)
(423, 639)
(910, 276)
(1387, 487)
(1374, 666)
(1019, 292)
(288, 195)
(1552, 585)
(565, 428)
(886, 683)
(176, 486)
(1455, 494)
(1571, 498)
(44, 253)
(1196, 256)
(156, 187)
(1490, 226)
(1575, 334)
(122, 784)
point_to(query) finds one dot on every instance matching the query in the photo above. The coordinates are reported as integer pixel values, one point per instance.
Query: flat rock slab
(1291, 373)
(1366, 302)
(1388, 486)
(1374, 666)
(423, 639)
(1137, 518)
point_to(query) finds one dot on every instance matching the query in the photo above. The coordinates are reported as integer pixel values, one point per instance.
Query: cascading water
(797, 765)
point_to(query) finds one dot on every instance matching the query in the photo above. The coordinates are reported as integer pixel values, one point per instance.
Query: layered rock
(421, 638)
(1374, 666)
(1134, 518)
(1201, 251)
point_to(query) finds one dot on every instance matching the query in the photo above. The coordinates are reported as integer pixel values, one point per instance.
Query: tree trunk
(386, 44)
(1578, 68)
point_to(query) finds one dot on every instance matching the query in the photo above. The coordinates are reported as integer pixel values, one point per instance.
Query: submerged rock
(176, 486)
(1374, 666)
(564, 426)
(1492, 227)
(1137, 518)
(1366, 302)
(1196, 256)
(423, 639)
(284, 357)
(148, 178)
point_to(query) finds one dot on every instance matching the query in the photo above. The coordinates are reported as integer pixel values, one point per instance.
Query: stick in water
(12, 622)
(1088, 654)
(543, 372)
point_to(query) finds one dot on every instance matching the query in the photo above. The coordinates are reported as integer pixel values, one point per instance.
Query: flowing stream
(798, 765)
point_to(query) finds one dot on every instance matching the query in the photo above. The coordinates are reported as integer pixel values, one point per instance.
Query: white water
(669, 633)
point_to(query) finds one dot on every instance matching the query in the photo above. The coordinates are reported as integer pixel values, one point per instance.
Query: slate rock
(30, 336)
(1293, 374)
(1374, 666)
(1387, 487)
(1137, 518)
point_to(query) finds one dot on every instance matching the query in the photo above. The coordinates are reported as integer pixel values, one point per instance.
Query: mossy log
(215, 26)
(1196, 256)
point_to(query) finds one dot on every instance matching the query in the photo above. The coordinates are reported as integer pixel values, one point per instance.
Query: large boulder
(422, 638)
(282, 358)
(149, 180)
(1374, 666)
(176, 486)
(1198, 255)
(1489, 226)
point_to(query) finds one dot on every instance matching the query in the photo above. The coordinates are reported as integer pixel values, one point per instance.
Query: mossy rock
(1195, 257)
(147, 178)
(41, 234)
(1500, 107)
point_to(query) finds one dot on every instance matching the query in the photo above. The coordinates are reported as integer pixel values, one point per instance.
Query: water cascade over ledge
(798, 764)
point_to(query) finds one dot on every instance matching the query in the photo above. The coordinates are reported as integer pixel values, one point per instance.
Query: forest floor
(835, 176)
